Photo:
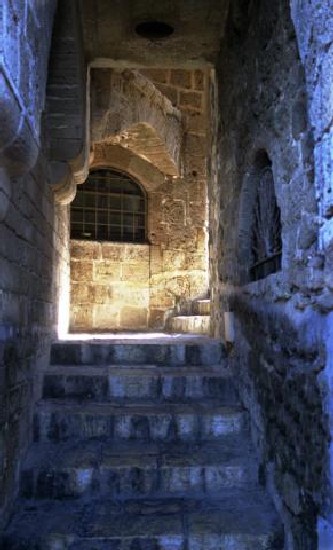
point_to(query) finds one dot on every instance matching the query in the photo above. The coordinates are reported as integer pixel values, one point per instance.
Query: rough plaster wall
(28, 242)
(281, 322)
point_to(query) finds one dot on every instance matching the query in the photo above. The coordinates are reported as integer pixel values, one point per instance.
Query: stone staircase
(195, 320)
(141, 447)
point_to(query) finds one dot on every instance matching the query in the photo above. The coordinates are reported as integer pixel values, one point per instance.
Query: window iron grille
(109, 206)
(266, 243)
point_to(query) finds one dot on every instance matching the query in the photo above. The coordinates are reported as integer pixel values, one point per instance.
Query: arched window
(109, 206)
(266, 243)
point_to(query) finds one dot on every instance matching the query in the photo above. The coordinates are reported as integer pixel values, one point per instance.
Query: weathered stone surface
(153, 117)
(206, 352)
(176, 207)
(115, 279)
(141, 471)
(267, 100)
(274, 94)
(196, 324)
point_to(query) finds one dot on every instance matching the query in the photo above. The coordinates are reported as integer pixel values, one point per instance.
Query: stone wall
(109, 286)
(177, 208)
(313, 24)
(176, 226)
(29, 240)
(281, 323)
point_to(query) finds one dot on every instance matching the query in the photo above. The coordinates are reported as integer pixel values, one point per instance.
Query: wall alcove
(260, 251)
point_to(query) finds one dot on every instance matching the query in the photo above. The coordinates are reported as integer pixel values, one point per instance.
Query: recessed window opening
(109, 206)
(266, 242)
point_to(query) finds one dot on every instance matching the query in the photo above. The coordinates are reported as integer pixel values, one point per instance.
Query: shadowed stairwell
(141, 446)
(166, 275)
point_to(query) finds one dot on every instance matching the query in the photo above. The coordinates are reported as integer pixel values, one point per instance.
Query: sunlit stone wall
(172, 269)
(109, 286)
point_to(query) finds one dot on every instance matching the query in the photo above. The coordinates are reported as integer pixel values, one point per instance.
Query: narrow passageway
(166, 291)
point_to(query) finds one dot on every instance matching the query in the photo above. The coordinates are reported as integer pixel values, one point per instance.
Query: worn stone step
(112, 383)
(201, 307)
(57, 420)
(242, 520)
(198, 324)
(133, 470)
(205, 352)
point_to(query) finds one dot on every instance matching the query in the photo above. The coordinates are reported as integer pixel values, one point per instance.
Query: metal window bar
(266, 243)
(98, 197)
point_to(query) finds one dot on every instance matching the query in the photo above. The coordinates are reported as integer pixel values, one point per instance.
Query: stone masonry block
(104, 271)
(131, 317)
(135, 272)
(80, 293)
(105, 316)
(112, 252)
(157, 75)
(191, 100)
(181, 78)
(136, 295)
(199, 80)
(196, 122)
(85, 250)
(136, 253)
(81, 317)
(81, 271)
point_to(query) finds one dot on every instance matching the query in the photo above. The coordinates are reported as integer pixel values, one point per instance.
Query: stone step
(194, 324)
(149, 382)
(201, 307)
(62, 470)
(241, 520)
(205, 352)
(57, 420)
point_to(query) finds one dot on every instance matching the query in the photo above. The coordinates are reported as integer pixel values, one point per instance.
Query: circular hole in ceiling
(154, 30)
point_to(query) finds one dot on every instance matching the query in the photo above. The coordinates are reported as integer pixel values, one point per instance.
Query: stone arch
(261, 164)
(135, 115)
(127, 161)
(123, 159)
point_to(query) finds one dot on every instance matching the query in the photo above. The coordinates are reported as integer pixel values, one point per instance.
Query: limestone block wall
(109, 286)
(29, 238)
(27, 316)
(127, 108)
(178, 207)
(282, 323)
(176, 253)
(155, 278)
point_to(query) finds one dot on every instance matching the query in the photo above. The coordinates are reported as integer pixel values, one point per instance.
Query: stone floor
(134, 337)
(140, 443)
